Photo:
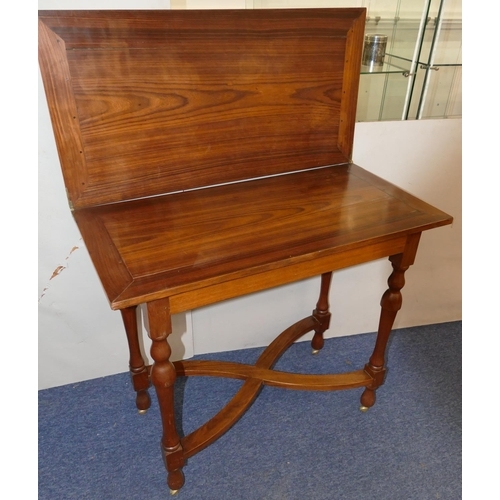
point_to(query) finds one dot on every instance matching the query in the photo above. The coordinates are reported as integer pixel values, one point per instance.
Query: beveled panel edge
(153, 19)
(352, 69)
(104, 255)
(63, 112)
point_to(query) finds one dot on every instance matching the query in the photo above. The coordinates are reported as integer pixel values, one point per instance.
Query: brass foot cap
(142, 412)
(315, 351)
(364, 409)
(174, 492)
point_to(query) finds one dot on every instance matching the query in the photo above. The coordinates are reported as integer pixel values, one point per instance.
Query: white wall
(80, 338)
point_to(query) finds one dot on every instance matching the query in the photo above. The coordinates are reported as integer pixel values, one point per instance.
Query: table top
(166, 245)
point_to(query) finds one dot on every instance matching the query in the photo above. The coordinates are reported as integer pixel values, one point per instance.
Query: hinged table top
(152, 102)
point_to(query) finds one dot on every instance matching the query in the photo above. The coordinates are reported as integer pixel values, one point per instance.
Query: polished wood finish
(180, 244)
(163, 375)
(391, 303)
(156, 103)
(322, 312)
(137, 364)
(207, 155)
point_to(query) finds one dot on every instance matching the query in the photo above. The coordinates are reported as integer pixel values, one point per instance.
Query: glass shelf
(392, 64)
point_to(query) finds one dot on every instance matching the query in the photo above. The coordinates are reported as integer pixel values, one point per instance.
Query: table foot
(367, 399)
(364, 409)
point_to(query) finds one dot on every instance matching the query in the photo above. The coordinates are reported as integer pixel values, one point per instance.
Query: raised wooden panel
(168, 101)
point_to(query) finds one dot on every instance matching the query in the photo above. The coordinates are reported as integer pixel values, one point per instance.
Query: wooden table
(207, 155)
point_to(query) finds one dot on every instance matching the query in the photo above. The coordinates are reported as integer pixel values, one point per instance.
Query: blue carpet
(290, 445)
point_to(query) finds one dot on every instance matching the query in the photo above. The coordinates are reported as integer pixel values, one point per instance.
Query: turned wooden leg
(322, 313)
(391, 303)
(138, 370)
(163, 377)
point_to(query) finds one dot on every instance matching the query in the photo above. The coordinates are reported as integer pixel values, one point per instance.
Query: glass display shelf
(424, 40)
(392, 64)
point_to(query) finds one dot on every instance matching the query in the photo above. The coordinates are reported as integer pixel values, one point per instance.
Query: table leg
(163, 377)
(391, 303)
(322, 313)
(138, 370)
